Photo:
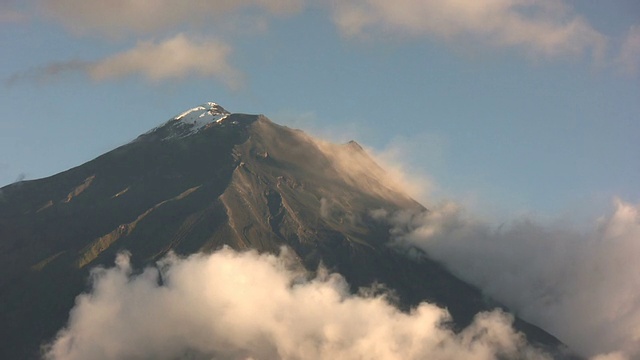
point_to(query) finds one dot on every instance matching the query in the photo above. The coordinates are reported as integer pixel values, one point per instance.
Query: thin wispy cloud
(178, 57)
(629, 59)
(230, 305)
(545, 27)
(46, 73)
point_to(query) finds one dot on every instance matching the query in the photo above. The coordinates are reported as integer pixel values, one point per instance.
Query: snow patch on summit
(189, 122)
(203, 115)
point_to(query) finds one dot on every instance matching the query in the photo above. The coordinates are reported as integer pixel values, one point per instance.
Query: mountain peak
(188, 122)
(202, 115)
(352, 144)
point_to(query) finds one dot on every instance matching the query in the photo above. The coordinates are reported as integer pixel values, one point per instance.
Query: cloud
(343, 131)
(48, 72)
(178, 57)
(405, 158)
(629, 58)
(583, 287)
(230, 305)
(359, 169)
(547, 27)
(382, 173)
(114, 18)
(378, 173)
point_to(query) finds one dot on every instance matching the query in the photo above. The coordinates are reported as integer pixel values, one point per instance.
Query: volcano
(203, 180)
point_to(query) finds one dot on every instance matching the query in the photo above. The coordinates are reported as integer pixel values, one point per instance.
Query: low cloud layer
(113, 18)
(583, 287)
(547, 27)
(174, 58)
(231, 305)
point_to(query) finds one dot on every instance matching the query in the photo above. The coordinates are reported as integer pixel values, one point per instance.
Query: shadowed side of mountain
(135, 200)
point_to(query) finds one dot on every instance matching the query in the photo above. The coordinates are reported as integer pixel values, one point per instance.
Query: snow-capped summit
(188, 122)
(202, 115)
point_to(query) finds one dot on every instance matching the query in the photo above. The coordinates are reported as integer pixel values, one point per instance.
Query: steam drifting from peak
(231, 305)
(362, 171)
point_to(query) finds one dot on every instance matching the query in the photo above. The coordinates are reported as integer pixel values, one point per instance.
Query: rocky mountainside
(203, 180)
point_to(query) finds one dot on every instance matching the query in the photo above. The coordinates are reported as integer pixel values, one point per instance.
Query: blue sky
(511, 106)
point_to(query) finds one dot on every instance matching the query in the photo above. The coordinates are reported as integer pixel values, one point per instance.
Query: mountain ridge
(243, 182)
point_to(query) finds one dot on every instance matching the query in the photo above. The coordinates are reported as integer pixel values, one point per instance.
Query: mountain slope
(205, 179)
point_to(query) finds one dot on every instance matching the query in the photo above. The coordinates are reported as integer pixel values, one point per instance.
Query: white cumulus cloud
(230, 305)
